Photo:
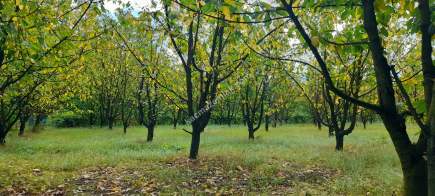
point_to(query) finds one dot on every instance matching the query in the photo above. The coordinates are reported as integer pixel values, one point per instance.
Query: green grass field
(291, 159)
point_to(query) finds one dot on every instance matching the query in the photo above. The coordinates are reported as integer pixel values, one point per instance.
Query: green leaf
(420, 106)
(209, 7)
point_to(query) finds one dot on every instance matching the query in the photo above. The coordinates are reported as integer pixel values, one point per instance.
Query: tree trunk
(177, 117)
(431, 161)
(250, 125)
(150, 135)
(91, 119)
(196, 137)
(251, 134)
(2, 135)
(22, 127)
(266, 122)
(431, 149)
(174, 124)
(110, 123)
(415, 179)
(37, 124)
(364, 122)
(23, 120)
(412, 162)
(414, 167)
(274, 121)
(141, 115)
(229, 116)
(101, 117)
(2, 139)
(339, 141)
(330, 132)
(125, 128)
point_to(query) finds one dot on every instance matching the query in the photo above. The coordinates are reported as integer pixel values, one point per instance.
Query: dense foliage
(196, 62)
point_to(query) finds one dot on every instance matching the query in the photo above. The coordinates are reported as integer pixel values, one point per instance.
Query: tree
(253, 96)
(339, 111)
(24, 117)
(152, 101)
(127, 91)
(193, 54)
(26, 40)
(148, 93)
(410, 155)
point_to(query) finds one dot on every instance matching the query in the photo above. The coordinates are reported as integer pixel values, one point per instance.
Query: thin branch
(282, 58)
(144, 65)
(323, 66)
(408, 102)
(189, 132)
(229, 21)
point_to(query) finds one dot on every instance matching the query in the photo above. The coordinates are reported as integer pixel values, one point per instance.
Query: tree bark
(266, 122)
(251, 134)
(2, 134)
(140, 105)
(413, 164)
(22, 127)
(37, 125)
(177, 117)
(196, 137)
(275, 118)
(91, 119)
(150, 135)
(101, 117)
(23, 121)
(339, 142)
(110, 123)
(319, 124)
(364, 118)
(431, 149)
(426, 50)
(429, 89)
(174, 123)
(415, 178)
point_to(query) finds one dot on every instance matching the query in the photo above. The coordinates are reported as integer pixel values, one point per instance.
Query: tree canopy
(196, 62)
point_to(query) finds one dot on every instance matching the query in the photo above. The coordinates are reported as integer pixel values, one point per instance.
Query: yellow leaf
(379, 5)
(315, 40)
(231, 2)
(201, 3)
(226, 11)
(402, 4)
(296, 3)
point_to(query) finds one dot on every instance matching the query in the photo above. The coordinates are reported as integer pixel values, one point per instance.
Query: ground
(290, 159)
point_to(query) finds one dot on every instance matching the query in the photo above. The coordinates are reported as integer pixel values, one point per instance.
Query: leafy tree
(29, 34)
(194, 56)
(253, 96)
(411, 155)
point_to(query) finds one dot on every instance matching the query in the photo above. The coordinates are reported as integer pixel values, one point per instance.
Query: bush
(68, 119)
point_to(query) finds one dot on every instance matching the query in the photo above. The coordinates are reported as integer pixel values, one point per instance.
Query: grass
(368, 163)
